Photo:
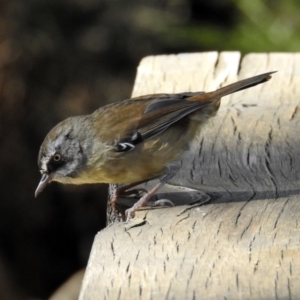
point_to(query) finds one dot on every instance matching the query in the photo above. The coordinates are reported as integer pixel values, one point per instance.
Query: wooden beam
(245, 242)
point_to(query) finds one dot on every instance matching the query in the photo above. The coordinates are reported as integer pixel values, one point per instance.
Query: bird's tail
(232, 88)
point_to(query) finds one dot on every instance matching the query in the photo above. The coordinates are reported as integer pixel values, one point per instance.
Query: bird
(131, 141)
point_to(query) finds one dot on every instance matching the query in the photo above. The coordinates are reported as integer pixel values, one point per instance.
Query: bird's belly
(121, 173)
(148, 161)
(133, 170)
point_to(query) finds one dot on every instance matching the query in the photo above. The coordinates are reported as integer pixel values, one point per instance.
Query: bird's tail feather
(232, 88)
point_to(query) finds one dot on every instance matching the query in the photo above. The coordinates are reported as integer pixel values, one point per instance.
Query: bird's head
(63, 153)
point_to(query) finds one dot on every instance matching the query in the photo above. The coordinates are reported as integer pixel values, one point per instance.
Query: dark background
(61, 58)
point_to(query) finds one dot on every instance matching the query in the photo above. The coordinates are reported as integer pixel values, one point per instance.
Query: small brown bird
(130, 142)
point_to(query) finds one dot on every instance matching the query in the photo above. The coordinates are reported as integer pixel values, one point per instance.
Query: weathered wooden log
(244, 243)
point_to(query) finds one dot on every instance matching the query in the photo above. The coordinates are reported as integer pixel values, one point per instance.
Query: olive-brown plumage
(130, 141)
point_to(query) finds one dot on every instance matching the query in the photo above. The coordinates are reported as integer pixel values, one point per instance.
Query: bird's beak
(46, 178)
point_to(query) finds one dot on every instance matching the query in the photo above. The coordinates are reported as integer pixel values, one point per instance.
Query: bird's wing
(130, 122)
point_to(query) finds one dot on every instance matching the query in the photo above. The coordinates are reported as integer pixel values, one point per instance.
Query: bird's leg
(171, 171)
(123, 191)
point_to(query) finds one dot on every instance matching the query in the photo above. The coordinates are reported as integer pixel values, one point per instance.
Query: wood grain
(244, 244)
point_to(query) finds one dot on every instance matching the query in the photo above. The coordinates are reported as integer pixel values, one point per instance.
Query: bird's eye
(57, 157)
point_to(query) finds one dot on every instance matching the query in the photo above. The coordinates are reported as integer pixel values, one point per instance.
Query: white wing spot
(125, 146)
